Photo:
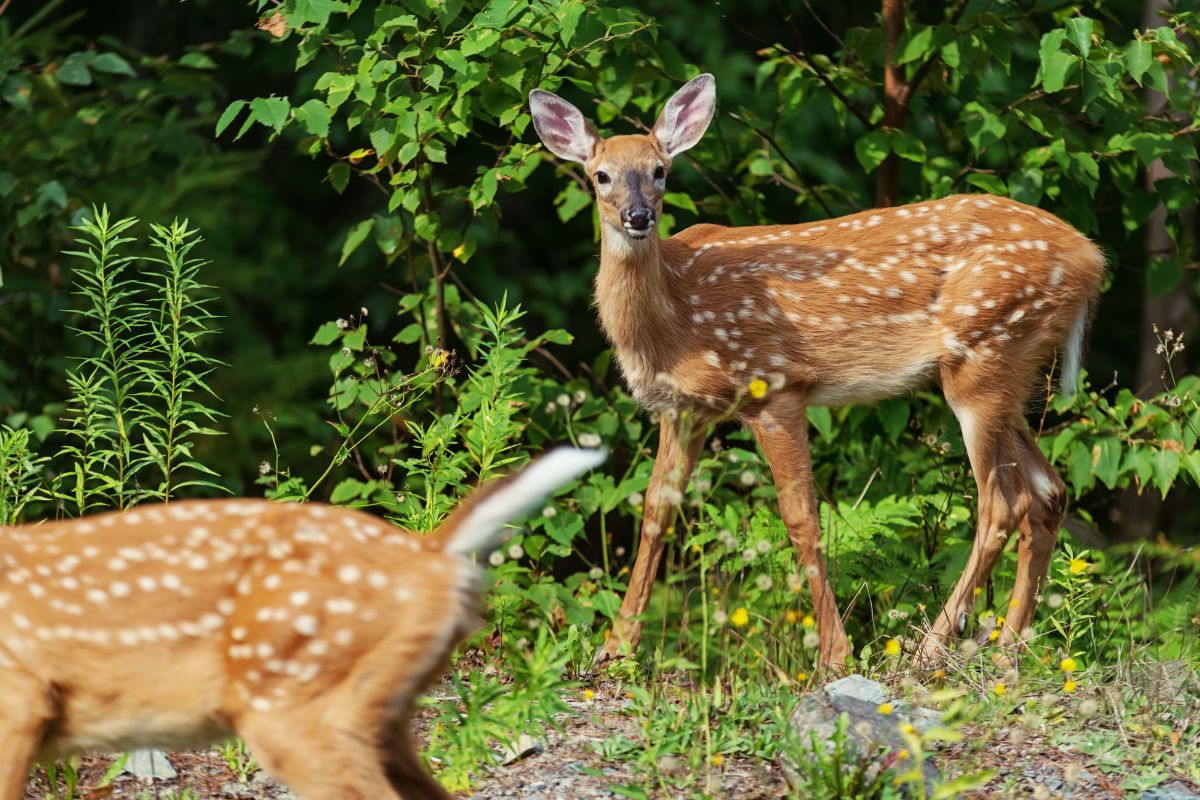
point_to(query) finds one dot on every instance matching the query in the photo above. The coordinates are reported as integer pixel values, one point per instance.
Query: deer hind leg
(989, 419)
(27, 709)
(677, 454)
(1039, 532)
(781, 432)
(320, 752)
(407, 774)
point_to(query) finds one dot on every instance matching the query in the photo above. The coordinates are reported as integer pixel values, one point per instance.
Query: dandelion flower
(748, 478)
(757, 388)
(791, 616)
(907, 728)
(1088, 708)
(1068, 664)
(811, 640)
(978, 591)
(1078, 565)
(808, 621)
(902, 755)
(549, 511)
(589, 695)
(516, 552)
(718, 760)
(764, 583)
(763, 546)
(795, 582)
(564, 400)
(1055, 600)
(994, 635)
(635, 499)
(749, 554)
(720, 617)
(999, 689)
(1069, 686)
(580, 395)
(740, 618)
(939, 674)
(496, 558)
(801, 676)
(589, 439)
(885, 708)
(892, 647)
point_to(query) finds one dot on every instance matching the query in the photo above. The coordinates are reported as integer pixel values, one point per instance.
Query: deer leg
(1039, 532)
(677, 455)
(27, 709)
(319, 758)
(781, 432)
(407, 774)
(987, 422)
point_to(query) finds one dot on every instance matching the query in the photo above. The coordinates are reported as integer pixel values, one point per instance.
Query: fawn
(306, 629)
(975, 292)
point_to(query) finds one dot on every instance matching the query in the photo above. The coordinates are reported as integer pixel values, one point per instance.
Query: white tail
(973, 291)
(306, 629)
(1073, 355)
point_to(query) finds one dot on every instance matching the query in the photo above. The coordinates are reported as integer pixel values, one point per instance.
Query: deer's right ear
(562, 127)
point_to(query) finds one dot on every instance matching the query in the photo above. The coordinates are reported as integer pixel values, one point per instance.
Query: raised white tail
(478, 525)
(1073, 355)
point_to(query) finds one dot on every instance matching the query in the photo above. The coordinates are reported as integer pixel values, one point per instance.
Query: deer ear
(562, 127)
(686, 116)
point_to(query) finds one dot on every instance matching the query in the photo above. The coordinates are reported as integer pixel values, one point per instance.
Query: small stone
(858, 687)
(524, 747)
(149, 765)
(1175, 790)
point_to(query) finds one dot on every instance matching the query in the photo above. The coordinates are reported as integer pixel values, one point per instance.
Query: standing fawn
(306, 629)
(975, 292)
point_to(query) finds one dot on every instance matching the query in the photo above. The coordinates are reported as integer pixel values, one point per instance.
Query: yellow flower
(978, 591)
(438, 357)
(1078, 565)
(902, 755)
(589, 695)
(757, 388)
(892, 648)
(791, 616)
(999, 689)
(718, 760)
(885, 708)
(1069, 686)
(999, 622)
(939, 674)
(994, 635)
(808, 621)
(908, 728)
(1068, 665)
(740, 618)
(801, 676)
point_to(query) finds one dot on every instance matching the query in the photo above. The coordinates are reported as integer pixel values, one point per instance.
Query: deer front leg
(677, 454)
(27, 709)
(780, 428)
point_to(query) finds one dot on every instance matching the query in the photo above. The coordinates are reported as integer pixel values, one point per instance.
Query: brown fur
(306, 629)
(973, 291)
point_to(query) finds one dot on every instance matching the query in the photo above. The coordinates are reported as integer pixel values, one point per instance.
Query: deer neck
(632, 290)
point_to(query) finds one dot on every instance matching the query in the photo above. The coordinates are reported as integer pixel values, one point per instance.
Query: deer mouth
(638, 233)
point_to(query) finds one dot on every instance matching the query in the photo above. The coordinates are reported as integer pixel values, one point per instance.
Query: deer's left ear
(687, 114)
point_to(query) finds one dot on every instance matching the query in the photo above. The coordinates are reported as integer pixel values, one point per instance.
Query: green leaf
(229, 115)
(1106, 460)
(355, 238)
(1138, 55)
(989, 183)
(314, 116)
(821, 418)
(113, 64)
(270, 111)
(680, 200)
(1163, 275)
(1166, 463)
(907, 146)
(339, 176)
(568, 16)
(74, 70)
(328, 333)
(916, 47)
(1079, 32)
(1055, 69)
(197, 60)
(872, 149)
(984, 126)
(894, 416)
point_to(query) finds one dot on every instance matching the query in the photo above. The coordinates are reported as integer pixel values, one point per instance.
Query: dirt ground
(568, 766)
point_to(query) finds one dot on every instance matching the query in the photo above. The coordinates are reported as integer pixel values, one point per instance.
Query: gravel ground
(568, 767)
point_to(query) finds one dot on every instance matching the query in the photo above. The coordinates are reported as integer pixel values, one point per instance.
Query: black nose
(639, 218)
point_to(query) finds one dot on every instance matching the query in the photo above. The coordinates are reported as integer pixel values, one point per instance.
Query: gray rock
(869, 734)
(149, 765)
(857, 687)
(1176, 790)
(524, 747)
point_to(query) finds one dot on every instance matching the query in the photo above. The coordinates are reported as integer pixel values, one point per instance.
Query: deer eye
(659, 173)
(602, 177)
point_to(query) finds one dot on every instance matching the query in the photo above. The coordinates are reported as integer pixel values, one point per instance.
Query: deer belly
(110, 701)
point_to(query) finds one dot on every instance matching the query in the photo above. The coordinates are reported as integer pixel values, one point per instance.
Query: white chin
(635, 234)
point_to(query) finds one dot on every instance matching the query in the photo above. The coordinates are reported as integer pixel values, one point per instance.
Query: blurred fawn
(306, 629)
(973, 291)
